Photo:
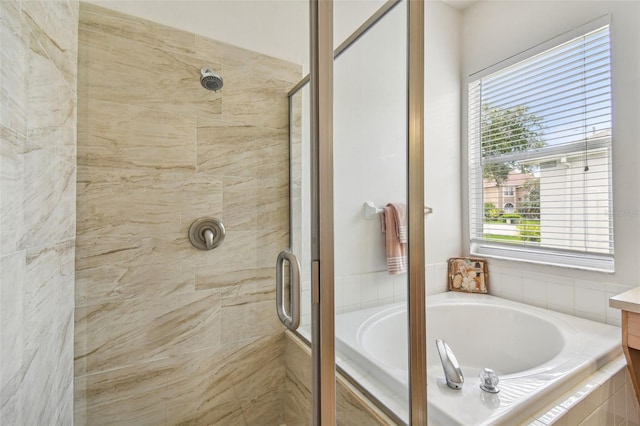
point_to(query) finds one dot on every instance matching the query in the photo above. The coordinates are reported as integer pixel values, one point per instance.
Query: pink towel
(394, 226)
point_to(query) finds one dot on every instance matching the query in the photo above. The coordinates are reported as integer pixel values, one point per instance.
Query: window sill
(564, 259)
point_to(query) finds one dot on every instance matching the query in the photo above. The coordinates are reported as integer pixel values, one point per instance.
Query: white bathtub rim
(547, 377)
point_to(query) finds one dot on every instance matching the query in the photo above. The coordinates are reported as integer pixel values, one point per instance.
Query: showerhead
(210, 80)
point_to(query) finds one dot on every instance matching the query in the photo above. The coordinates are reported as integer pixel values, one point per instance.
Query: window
(543, 122)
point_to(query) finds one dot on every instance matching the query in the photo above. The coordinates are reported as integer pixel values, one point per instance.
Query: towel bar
(369, 210)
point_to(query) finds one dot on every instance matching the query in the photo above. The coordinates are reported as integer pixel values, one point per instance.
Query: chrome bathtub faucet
(452, 371)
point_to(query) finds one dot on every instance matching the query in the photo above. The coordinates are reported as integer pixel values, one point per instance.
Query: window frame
(509, 191)
(557, 257)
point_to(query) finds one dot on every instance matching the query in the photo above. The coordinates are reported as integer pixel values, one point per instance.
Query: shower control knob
(489, 381)
(206, 233)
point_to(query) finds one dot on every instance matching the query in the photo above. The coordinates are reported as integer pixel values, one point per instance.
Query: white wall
(442, 136)
(493, 31)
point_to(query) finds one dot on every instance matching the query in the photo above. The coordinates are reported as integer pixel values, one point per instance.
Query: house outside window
(540, 154)
(507, 191)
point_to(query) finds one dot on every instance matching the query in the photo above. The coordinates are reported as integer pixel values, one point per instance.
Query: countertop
(627, 301)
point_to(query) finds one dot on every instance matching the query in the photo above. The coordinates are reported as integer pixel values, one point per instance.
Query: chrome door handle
(290, 320)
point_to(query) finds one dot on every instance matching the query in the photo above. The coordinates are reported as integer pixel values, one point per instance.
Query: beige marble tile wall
(165, 333)
(352, 407)
(38, 51)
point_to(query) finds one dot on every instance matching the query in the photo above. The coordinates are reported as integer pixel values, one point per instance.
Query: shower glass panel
(370, 167)
(300, 189)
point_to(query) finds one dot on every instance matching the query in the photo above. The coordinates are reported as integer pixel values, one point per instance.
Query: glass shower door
(370, 211)
(372, 199)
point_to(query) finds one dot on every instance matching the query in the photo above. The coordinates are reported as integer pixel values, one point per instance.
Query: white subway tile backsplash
(369, 284)
(385, 289)
(617, 288)
(561, 309)
(430, 274)
(351, 308)
(437, 278)
(360, 291)
(441, 277)
(385, 301)
(558, 279)
(560, 295)
(614, 321)
(370, 304)
(534, 289)
(495, 282)
(590, 316)
(400, 288)
(589, 301)
(514, 271)
(440, 271)
(511, 285)
(351, 291)
(534, 277)
(430, 278)
(338, 294)
(558, 292)
(613, 315)
(437, 290)
(589, 284)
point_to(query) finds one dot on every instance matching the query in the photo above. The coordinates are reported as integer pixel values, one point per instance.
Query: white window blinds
(540, 157)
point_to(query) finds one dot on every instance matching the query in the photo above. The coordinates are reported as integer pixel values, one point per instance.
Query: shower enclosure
(166, 333)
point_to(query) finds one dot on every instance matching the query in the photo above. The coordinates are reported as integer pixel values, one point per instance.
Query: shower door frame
(416, 309)
(323, 389)
(322, 211)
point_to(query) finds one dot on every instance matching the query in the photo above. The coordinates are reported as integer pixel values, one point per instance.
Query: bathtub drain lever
(452, 371)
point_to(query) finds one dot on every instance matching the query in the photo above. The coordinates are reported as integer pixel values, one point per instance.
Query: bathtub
(538, 354)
